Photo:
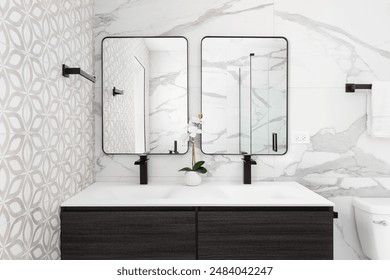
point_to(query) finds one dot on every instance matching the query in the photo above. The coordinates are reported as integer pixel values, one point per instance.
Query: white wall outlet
(301, 137)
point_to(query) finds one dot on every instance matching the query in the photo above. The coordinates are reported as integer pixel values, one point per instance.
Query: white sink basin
(208, 194)
(144, 193)
(263, 192)
(199, 192)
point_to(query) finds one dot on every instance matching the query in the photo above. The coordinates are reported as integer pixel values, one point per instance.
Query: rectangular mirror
(244, 95)
(144, 95)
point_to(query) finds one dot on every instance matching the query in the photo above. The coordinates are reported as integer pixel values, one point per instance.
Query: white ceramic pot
(192, 178)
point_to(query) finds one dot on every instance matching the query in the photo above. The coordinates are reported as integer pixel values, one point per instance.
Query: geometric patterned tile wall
(119, 125)
(46, 120)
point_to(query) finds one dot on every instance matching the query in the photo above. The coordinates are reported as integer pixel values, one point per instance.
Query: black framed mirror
(144, 95)
(244, 86)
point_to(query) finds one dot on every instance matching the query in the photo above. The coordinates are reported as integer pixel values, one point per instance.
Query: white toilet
(373, 225)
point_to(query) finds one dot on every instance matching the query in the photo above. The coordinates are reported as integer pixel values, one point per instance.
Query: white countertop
(259, 194)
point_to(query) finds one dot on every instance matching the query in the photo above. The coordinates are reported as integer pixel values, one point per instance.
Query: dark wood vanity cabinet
(111, 233)
(265, 234)
(197, 233)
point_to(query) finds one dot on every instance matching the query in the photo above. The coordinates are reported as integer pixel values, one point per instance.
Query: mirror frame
(287, 91)
(102, 79)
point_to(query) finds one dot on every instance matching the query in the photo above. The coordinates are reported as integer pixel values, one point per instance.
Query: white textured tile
(46, 120)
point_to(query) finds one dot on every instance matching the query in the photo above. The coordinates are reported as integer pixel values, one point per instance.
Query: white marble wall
(223, 66)
(331, 42)
(46, 120)
(168, 99)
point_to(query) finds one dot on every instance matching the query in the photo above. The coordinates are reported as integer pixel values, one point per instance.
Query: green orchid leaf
(186, 169)
(201, 170)
(197, 165)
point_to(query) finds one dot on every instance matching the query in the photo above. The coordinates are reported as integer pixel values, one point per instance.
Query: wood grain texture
(265, 235)
(206, 232)
(128, 235)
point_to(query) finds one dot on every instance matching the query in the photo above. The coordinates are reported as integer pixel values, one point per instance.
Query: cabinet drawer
(265, 235)
(128, 235)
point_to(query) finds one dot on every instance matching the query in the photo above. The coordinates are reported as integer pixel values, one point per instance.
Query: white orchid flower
(194, 121)
(193, 131)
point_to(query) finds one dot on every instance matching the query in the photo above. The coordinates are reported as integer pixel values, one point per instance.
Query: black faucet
(248, 162)
(143, 169)
(174, 151)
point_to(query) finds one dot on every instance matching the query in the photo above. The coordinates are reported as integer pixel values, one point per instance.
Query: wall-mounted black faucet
(143, 169)
(66, 71)
(248, 162)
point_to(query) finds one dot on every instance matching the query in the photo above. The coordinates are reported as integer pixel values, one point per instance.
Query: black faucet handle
(142, 160)
(248, 158)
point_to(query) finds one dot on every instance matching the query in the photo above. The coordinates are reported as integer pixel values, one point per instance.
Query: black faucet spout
(174, 151)
(248, 162)
(143, 169)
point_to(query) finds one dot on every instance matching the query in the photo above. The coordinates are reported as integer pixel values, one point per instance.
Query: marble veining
(227, 72)
(329, 30)
(351, 55)
(201, 13)
(326, 50)
(214, 13)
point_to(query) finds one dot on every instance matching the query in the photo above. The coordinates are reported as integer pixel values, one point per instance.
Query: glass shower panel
(268, 95)
(260, 110)
(277, 79)
(245, 109)
(139, 109)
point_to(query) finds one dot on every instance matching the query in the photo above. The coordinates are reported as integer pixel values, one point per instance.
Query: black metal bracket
(116, 91)
(66, 71)
(335, 215)
(352, 87)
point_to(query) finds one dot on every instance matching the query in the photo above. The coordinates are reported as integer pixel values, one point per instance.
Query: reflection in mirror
(244, 95)
(139, 109)
(144, 103)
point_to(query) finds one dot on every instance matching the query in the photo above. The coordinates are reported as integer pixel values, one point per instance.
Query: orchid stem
(193, 154)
